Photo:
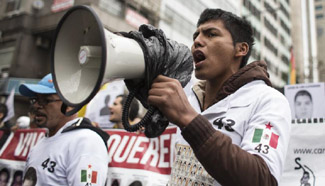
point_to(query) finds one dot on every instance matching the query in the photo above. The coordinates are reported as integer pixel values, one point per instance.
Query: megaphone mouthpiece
(87, 53)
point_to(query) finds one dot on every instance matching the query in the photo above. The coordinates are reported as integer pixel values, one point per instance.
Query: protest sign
(14, 152)
(97, 109)
(134, 158)
(305, 159)
(306, 100)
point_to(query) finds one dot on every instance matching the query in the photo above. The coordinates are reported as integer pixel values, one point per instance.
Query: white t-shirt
(71, 158)
(256, 117)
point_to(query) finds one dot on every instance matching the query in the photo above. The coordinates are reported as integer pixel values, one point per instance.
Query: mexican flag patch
(89, 175)
(266, 136)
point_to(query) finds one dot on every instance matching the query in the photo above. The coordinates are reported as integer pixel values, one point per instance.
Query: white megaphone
(84, 54)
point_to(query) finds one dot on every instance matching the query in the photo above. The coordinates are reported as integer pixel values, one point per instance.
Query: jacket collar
(254, 71)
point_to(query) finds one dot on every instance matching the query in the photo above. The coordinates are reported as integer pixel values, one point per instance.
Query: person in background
(3, 114)
(116, 110)
(5, 126)
(4, 177)
(237, 125)
(303, 104)
(73, 151)
(17, 179)
(23, 122)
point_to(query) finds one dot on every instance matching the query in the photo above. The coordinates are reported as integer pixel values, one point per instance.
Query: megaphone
(85, 54)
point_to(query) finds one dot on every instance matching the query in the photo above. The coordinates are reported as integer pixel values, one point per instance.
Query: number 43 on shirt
(49, 165)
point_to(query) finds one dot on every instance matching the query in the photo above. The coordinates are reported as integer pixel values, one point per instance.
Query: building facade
(305, 41)
(27, 28)
(272, 29)
(320, 29)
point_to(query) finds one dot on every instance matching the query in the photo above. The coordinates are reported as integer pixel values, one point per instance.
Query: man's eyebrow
(205, 30)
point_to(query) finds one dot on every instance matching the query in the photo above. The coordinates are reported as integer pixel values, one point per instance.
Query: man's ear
(1, 115)
(242, 49)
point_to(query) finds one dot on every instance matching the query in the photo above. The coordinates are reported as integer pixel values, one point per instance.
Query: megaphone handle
(125, 115)
(71, 112)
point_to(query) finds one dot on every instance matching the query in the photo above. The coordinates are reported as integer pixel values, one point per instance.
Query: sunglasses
(42, 102)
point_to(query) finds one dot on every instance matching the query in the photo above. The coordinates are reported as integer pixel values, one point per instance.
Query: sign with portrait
(306, 100)
(97, 109)
(14, 152)
(134, 158)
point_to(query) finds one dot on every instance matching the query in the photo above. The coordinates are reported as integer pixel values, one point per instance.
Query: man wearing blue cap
(73, 153)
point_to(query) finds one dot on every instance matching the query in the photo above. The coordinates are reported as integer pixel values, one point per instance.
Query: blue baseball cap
(45, 86)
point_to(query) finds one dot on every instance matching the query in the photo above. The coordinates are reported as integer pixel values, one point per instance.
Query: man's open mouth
(198, 56)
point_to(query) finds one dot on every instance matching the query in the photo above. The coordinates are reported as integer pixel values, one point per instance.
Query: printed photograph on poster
(10, 176)
(306, 100)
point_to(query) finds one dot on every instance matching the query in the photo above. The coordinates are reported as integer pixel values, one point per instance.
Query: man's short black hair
(4, 110)
(134, 107)
(239, 28)
(303, 93)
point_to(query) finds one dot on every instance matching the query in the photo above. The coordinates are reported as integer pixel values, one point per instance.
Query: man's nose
(198, 41)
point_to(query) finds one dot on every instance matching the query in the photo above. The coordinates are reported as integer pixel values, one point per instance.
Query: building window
(285, 12)
(270, 46)
(253, 10)
(271, 28)
(6, 56)
(285, 27)
(319, 16)
(285, 59)
(271, 10)
(284, 76)
(12, 5)
(319, 7)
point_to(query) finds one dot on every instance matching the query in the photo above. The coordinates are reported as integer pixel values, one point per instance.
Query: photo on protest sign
(306, 100)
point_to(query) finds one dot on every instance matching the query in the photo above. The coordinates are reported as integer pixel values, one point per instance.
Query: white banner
(138, 160)
(305, 161)
(134, 158)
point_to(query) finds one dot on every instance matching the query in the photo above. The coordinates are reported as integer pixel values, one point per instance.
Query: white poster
(305, 161)
(97, 109)
(306, 100)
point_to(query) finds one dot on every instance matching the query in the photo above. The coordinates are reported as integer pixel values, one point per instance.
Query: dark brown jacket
(225, 162)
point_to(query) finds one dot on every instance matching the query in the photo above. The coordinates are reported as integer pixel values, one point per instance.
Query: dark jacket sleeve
(224, 161)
